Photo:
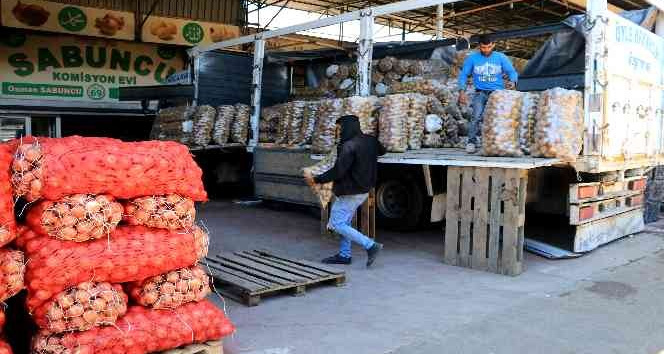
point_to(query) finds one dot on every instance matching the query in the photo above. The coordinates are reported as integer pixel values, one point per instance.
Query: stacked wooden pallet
(604, 211)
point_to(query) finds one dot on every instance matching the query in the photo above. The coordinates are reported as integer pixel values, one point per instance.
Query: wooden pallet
(211, 347)
(247, 276)
(599, 209)
(485, 216)
(595, 191)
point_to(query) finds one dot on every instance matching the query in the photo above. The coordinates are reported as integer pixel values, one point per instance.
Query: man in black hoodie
(353, 174)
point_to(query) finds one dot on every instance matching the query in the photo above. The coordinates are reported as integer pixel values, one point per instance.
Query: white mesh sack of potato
(381, 89)
(322, 190)
(433, 123)
(170, 122)
(310, 115)
(393, 123)
(392, 78)
(324, 132)
(500, 130)
(417, 111)
(240, 126)
(283, 124)
(343, 72)
(203, 124)
(363, 108)
(268, 123)
(559, 124)
(331, 70)
(527, 120)
(295, 121)
(386, 64)
(432, 140)
(377, 76)
(402, 67)
(222, 125)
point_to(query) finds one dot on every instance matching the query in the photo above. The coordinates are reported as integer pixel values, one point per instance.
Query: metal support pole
(595, 78)
(257, 83)
(440, 24)
(364, 54)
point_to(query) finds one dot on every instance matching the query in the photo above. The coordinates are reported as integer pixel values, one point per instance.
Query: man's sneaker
(337, 259)
(372, 253)
(470, 148)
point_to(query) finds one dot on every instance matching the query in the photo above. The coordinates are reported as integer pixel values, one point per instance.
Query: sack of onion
(171, 212)
(172, 289)
(52, 168)
(12, 271)
(141, 331)
(81, 308)
(78, 217)
(132, 253)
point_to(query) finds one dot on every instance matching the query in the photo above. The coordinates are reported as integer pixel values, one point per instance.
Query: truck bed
(459, 157)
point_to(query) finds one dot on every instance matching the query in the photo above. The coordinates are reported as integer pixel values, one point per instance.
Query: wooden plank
(261, 267)
(594, 234)
(508, 264)
(257, 273)
(291, 268)
(495, 217)
(523, 196)
(364, 218)
(302, 262)
(372, 213)
(450, 255)
(466, 214)
(236, 281)
(240, 274)
(481, 218)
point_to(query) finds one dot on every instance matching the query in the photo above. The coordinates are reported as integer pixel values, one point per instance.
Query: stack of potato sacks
(12, 261)
(231, 124)
(113, 246)
(549, 124)
(198, 126)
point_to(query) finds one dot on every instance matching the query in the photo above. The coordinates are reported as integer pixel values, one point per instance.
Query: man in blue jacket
(354, 174)
(488, 68)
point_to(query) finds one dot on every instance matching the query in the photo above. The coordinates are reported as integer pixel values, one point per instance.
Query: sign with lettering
(186, 32)
(71, 68)
(65, 18)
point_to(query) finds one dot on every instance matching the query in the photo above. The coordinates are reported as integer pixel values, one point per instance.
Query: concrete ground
(608, 301)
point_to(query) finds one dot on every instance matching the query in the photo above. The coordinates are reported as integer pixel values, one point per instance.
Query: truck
(577, 205)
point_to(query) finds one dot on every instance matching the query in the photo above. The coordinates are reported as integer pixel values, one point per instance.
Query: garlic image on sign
(165, 31)
(110, 24)
(31, 15)
(220, 33)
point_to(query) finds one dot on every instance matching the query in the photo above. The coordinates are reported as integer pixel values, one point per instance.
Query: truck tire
(400, 204)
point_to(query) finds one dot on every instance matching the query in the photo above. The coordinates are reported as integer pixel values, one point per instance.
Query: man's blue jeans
(475, 130)
(341, 217)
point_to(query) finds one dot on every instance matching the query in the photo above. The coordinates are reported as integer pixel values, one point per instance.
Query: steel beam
(323, 22)
(257, 83)
(364, 54)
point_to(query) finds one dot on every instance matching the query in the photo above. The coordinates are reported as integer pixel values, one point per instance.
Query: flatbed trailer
(484, 201)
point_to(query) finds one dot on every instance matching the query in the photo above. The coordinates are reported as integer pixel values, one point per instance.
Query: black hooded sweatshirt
(357, 160)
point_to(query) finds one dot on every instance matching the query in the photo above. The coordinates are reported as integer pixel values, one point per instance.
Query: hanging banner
(77, 69)
(186, 32)
(65, 18)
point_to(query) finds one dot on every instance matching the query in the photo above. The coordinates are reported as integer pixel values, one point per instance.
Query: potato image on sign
(31, 15)
(165, 31)
(221, 32)
(110, 24)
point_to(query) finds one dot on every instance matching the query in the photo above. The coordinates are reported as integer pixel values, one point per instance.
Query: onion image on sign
(110, 24)
(165, 31)
(31, 15)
